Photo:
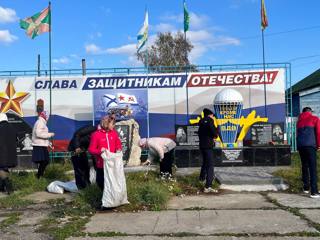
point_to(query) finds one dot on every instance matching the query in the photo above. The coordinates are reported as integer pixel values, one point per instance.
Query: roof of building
(313, 80)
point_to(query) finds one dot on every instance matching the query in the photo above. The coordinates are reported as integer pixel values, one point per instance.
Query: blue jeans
(308, 157)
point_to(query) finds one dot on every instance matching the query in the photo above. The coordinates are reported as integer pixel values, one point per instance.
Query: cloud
(164, 27)
(7, 15)
(127, 49)
(94, 49)
(7, 37)
(62, 60)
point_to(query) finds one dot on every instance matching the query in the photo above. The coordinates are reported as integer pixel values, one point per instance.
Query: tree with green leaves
(168, 53)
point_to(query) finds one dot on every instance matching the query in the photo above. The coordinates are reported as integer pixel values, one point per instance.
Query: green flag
(186, 17)
(37, 24)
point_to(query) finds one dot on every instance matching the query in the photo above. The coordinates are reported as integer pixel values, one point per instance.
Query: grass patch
(292, 176)
(67, 219)
(25, 183)
(57, 171)
(11, 219)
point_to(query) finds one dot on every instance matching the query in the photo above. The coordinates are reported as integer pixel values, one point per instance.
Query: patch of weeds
(56, 171)
(91, 196)
(66, 219)
(146, 192)
(11, 219)
(14, 201)
(27, 182)
(190, 184)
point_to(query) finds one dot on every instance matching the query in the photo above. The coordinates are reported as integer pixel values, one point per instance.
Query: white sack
(60, 187)
(115, 188)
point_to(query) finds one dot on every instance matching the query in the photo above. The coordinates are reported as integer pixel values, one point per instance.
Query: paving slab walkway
(295, 200)
(203, 222)
(223, 201)
(312, 214)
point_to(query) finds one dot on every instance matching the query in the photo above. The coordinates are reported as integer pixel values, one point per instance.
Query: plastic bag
(115, 188)
(92, 175)
(59, 187)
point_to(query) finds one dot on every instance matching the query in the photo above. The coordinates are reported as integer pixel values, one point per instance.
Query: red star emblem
(11, 100)
(121, 98)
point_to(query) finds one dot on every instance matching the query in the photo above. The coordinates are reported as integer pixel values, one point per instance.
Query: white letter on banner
(255, 78)
(247, 78)
(139, 82)
(156, 82)
(100, 84)
(238, 79)
(130, 81)
(92, 83)
(176, 81)
(222, 79)
(195, 80)
(121, 83)
(229, 79)
(205, 79)
(166, 82)
(212, 80)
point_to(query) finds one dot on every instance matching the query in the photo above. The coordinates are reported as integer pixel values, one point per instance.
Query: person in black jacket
(207, 133)
(8, 154)
(78, 146)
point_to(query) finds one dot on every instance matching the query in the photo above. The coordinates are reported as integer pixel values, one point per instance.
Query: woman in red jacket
(102, 140)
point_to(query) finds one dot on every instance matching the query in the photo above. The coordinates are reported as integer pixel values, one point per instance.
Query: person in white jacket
(40, 143)
(162, 149)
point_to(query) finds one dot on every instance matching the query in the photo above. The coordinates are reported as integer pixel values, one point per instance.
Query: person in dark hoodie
(8, 154)
(207, 133)
(308, 141)
(78, 146)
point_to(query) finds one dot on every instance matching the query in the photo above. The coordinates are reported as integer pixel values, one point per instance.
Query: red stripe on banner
(231, 79)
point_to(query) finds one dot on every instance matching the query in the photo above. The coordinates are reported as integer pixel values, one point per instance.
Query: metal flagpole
(147, 60)
(50, 80)
(264, 76)
(50, 77)
(186, 59)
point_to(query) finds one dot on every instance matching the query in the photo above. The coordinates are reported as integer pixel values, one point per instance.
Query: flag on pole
(142, 36)
(37, 24)
(264, 19)
(186, 17)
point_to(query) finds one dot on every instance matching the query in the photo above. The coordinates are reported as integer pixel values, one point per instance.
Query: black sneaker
(315, 195)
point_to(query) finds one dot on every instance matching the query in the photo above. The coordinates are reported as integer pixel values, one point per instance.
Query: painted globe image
(228, 105)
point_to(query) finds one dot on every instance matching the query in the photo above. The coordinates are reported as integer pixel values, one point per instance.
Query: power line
(282, 32)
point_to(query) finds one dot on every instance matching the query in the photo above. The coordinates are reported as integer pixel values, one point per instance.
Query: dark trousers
(42, 167)
(81, 170)
(207, 171)
(308, 157)
(100, 178)
(166, 162)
